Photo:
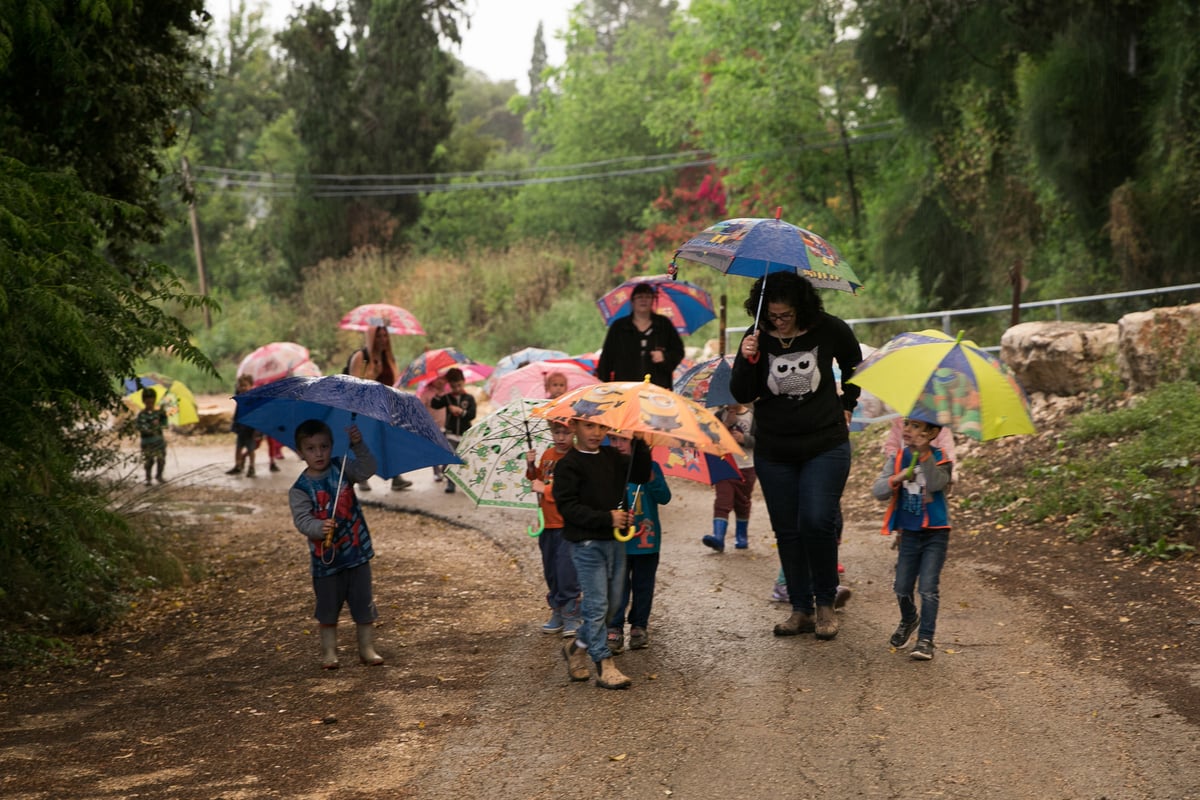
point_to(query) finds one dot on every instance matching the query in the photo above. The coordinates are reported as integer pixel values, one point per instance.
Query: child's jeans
(640, 571)
(600, 565)
(562, 584)
(922, 554)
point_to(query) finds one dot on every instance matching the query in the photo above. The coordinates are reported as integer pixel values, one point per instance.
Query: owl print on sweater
(794, 375)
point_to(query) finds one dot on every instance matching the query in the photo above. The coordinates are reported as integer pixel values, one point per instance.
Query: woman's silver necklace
(786, 343)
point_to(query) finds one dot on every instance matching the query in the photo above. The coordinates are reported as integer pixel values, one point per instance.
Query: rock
(1158, 345)
(1057, 357)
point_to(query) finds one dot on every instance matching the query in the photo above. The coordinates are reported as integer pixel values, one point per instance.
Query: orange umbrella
(654, 414)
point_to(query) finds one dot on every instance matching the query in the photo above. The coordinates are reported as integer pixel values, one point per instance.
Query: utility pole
(1018, 285)
(201, 277)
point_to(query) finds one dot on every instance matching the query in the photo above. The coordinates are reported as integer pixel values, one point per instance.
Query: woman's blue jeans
(919, 563)
(804, 502)
(600, 566)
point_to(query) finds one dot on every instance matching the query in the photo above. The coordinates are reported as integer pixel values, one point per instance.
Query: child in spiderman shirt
(339, 543)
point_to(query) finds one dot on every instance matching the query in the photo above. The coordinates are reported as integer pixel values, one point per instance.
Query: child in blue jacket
(915, 480)
(641, 557)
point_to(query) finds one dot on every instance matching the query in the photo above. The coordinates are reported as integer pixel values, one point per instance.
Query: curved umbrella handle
(541, 525)
(626, 535)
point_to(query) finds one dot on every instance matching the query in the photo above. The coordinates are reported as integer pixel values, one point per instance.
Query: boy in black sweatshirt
(589, 488)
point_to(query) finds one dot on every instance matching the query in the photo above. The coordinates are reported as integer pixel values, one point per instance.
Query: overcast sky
(499, 41)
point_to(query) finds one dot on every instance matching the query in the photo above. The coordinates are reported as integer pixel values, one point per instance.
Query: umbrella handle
(912, 467)
(631, 531)
(541, 525)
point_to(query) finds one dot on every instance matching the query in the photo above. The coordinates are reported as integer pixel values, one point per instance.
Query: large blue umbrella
(756, 246)
(395, 425)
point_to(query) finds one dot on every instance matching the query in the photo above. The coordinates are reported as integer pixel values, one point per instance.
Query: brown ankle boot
(796, 624)
(610, 677)
(577, 662)
(827, 624)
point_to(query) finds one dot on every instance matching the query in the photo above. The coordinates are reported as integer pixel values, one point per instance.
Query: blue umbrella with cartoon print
(395, 425)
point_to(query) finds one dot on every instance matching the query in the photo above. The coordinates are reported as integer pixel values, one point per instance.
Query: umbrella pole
(758, 314)
(338, 492)
(618, 534)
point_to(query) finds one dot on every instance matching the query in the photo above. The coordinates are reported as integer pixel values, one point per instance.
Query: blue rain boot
(717, 539)
(741, 533)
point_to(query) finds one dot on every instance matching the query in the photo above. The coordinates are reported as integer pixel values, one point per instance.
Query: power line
(327, 185)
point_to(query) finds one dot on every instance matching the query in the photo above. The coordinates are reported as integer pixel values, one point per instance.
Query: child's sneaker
(780, 593)
(842, 596)
(571, 625)
(554, 624)
(234, 471)
(638, 638)
(922, 650)
(273, 468)
(903, 631)
(249, 472)
(616, 641)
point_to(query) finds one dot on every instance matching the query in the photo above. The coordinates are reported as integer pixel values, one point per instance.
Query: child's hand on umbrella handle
(354, 433)
(750, 348)
(329, 526)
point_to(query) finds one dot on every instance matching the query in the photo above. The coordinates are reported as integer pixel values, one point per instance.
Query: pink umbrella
(277, 360)
(530, 380)
(397, 319)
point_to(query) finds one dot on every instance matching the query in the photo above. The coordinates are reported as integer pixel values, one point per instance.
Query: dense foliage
(87, 93)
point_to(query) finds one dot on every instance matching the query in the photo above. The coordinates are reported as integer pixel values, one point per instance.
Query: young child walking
(733, 494)
(248, 439)
(460, 410)
(914, 481)
(151, 421)
(326, 510)
(589, 488)
(641, 557)
(562, 584)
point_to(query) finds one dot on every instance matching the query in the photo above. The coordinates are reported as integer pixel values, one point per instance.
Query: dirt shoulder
(214, 691)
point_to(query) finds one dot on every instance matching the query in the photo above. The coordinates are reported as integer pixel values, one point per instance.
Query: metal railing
(946, 317)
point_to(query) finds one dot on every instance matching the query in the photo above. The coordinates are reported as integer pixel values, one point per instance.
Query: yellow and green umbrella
(173, 397)
(947, 381)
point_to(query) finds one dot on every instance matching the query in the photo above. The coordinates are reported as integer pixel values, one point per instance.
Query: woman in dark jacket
(641, 343)
(802, 448)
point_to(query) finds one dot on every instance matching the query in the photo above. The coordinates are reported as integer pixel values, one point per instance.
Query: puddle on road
(203, 510)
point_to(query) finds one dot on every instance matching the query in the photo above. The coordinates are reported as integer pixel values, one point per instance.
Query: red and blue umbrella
(694, 465)
(688, 306)
(433, 363)
(707, 383)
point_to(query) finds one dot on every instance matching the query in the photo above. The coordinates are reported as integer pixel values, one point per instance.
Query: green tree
(372, 99)
(772, 89)
(597, 111)
(243, 154)
(86, 101)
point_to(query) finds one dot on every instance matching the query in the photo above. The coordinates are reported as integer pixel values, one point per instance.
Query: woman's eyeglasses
(790, 315)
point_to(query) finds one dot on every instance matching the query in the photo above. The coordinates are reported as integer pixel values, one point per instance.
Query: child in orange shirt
(562, 584)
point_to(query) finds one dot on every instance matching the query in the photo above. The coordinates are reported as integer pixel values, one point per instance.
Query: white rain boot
(329, 659)
(366, 645)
